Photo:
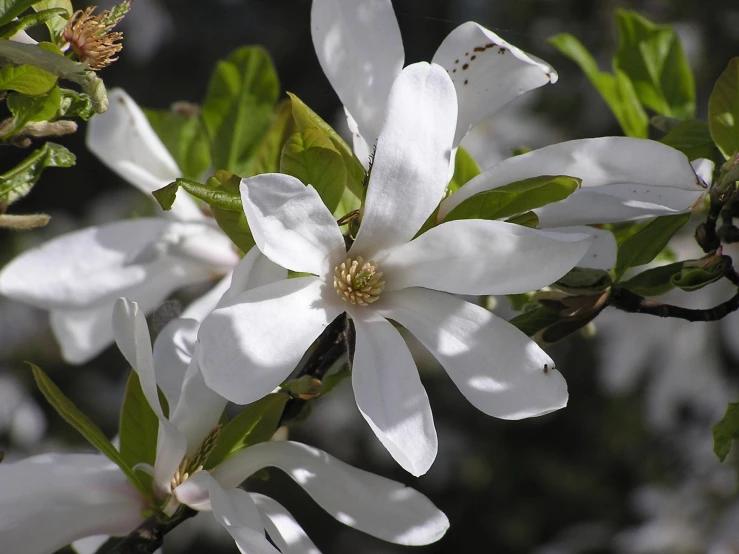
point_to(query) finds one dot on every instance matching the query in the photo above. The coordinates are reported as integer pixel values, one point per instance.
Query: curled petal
(494, 257)
(51, 500)
(282, 528)
(501, 371)
(390, 395)
(411, 164)
(359, 47)
(291, 225)
(622, 179)
(378, 506)
(487, 72)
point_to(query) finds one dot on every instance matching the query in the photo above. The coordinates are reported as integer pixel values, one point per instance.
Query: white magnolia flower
(252, 345)
(78, 276)
(78, 497)
(360, 49)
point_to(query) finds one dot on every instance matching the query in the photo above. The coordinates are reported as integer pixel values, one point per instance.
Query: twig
(147, 538)
(627, 301)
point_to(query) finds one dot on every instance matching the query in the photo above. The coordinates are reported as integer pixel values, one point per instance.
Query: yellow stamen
(358, 282)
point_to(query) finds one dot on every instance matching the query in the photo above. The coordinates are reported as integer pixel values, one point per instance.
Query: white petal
(704, 169)
(498, 368)
(132, 336)
(51, 500)
(78, 268)
(378, 506)
(249, 347)
(173, 351)
(198, 411)
(89, 545)
(254, 270)
(236, 511)
(291, 225)
(487, 72)
(282, 528)
(22, 37)
(123, 139)
(359, 47)
(475, 256)
(602, 251)
(84, 333)
(622, 179)
(411, 164)
(205, 243)
(389, 393)
(362, 150)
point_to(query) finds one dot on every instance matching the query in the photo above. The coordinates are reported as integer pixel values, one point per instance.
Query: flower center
(358, 282)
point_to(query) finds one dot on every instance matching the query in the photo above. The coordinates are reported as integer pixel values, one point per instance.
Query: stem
(627, 301)
(147, 538)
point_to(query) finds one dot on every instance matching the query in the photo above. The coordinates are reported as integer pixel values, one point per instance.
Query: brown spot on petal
(479, 48)
(472, 58)
(456, 61)
(454, 70)
(466, 81)
(465, 66)
(501, 50)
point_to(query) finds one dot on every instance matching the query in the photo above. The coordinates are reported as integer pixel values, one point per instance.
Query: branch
(147, 538)
(627, 301)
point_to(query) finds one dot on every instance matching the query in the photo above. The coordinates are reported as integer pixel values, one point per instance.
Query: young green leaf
(723, 110)
(692, 138)
(72, 415)
(76, 104)
(239, 105)
(29, 21)
(267, 154)
(26, 79)
(55, 24)
(653, 59)
(255, 424)
(655, 281)
(726, 431)
(465, 169)
(617, 90)
(10, 9)
(642, 247)
(17, 182)
(32, 108)
(185, 139)
(533, 321)
(515, 198)
(305, 118)
(138, 427)
(310, 156)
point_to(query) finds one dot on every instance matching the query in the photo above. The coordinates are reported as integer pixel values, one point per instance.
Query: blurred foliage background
(626, 467)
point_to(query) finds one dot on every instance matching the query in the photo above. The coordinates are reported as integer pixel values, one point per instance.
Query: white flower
(359, 46)
(252, 345)
(78, 276)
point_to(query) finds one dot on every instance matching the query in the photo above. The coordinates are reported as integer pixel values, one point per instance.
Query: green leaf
(653, 59)
(726, 431)
(72, 415)
(581, 279)
(221, 193)
(76, 104)
(655, 281)
(305, 118)
(310, 156)
(723, 110)
(465, 169)
(17, 182)
(185, 139)
(29, 21)
(138, 426)
(238, 107)
(26, 79)
(642, 247)
(617, 90)
(267, 154)
(533, 321)
(526, 219)
(56, 24)
(694, 278)
(33, 108)
(256, 423)
(692, 138)
(515, 198)
(10, 9)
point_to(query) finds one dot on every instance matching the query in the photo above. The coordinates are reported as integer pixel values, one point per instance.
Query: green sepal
(726, 431)
(644, 246)
(239, 106)
(19, 181)
(309, 156)
(465, 169)
(84, 426)
(256, 423)
(723, 110)
(515, 198)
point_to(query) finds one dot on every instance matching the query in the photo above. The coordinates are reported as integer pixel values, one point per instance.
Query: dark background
(565, 482)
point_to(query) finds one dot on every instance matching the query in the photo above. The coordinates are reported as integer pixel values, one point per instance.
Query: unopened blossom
(360, 49)
(74, 497)
(250, 346)
(79, 275)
